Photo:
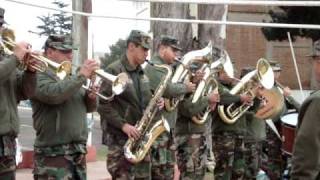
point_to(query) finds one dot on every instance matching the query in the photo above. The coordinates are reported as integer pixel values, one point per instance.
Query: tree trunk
(182, 31)
(211, 32)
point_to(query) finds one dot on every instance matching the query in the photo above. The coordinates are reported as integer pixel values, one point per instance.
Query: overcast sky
(106, 32)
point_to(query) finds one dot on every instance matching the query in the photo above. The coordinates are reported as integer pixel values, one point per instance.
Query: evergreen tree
(116, 51)
(293, 15)
(56, 23)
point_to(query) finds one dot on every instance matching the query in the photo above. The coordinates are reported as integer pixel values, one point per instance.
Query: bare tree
(182, 31)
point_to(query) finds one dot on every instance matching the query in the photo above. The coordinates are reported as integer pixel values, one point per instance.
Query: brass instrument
(7, 44)
(274, 104)
(209, 83)
(183, 72)
(263, 75)
(135, 151)
(119, 83)
(223, 63)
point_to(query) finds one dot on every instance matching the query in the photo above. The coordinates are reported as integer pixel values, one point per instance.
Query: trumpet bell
(64, 69)
(265, 73)
(120, 83)
(228, 66)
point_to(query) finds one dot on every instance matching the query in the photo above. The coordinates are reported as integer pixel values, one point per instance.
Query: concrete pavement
(95, 171)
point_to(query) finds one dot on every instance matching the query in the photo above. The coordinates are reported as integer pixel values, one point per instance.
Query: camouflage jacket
(173, 90)
(60, 109)
(127, 107)
(14, 86)
(186, 110)
(306, 152)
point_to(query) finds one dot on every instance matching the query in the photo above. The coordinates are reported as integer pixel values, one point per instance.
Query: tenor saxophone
(136, 150)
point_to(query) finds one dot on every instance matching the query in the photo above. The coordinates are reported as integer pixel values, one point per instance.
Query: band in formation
(171, 116)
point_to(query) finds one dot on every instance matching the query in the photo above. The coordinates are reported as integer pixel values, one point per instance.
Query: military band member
(191, 137)
(162, 152)
(231, 150)
(59, 114)
(119, 116)
(15, 85)
(274, 163)
(306, 149)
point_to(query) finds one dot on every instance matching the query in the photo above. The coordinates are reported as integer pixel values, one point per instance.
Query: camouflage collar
(128, 66)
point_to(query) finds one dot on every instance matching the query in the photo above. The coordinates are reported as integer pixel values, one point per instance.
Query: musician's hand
(92, 94)
(20, 50)
(160, 103)
(32, 62)
(131, 131)
(214, 99)
(287, 91)
(190, 87)
(88, 67)
(246, 99)
(198, 77)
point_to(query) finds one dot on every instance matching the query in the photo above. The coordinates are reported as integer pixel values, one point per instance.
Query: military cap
(315, 49)
(2, 16)
(170, 41)
(275, 65)
(60, 42)
(140, 38)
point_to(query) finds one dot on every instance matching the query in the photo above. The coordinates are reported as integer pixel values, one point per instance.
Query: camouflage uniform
(274, 162)
(233, 150)
(14, 86)
(128, 108)
(59, 112)
(162, 151)
(191, 139)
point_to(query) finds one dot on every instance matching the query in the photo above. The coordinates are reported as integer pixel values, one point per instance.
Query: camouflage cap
(2, 11)
(315, 49)
(275, 65)
(170, 41)
(60, 42)
(140, 38)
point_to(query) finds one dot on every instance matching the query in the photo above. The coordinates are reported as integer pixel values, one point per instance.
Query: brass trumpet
(7, 43)
(119, 83)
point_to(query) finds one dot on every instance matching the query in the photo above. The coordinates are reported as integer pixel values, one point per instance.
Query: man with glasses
(15, 85)
(60, 108)
(119, 116)
(163, 152)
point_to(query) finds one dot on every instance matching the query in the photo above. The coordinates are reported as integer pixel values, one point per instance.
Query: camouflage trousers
(120, 168)
(272, 163)
(7, 157)
(236, 158)
(191, 156)
(163, 157)
(60, 167)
